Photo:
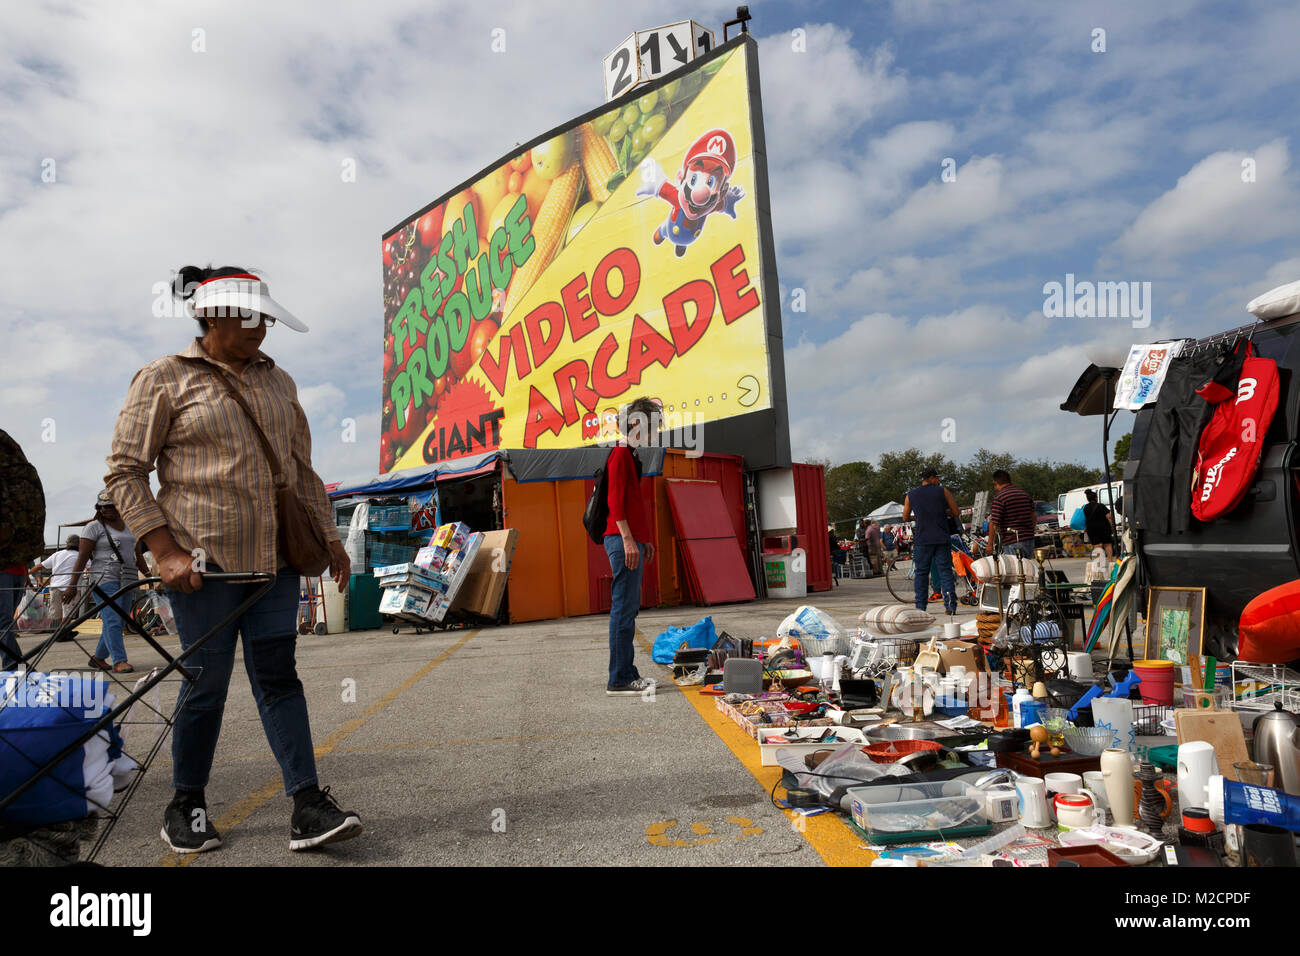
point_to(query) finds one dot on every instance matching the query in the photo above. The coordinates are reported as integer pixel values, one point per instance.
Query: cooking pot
(1277, 742)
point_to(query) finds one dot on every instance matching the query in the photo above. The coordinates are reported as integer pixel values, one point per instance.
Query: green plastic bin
(363, 603)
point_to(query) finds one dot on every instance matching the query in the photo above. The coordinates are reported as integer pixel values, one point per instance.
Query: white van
(1075, 498)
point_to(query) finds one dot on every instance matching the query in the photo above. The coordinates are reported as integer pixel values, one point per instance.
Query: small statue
(1039, 735)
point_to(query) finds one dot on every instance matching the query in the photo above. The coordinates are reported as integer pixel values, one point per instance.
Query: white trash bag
(816, 631)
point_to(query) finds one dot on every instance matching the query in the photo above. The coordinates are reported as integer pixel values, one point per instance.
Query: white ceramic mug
(1094, 784)
(1063, 782)
(1033, 802)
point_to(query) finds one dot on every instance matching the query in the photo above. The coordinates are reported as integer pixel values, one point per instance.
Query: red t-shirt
(625, 495)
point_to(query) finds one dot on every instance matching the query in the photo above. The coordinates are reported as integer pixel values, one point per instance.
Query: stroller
(74, 748)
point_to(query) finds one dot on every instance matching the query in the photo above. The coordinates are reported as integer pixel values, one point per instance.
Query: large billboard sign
(617, 256)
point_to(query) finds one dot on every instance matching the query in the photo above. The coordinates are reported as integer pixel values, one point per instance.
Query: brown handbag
(302, 543)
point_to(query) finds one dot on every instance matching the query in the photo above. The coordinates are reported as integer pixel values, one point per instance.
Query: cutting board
(1219, 728)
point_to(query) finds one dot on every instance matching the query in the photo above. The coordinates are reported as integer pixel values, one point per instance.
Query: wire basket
(1147, 718)
(902, 650)
(1257, 687)
(825, 646)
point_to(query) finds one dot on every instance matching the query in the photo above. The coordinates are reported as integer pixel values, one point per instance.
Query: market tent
(892, 511)
(396, 482)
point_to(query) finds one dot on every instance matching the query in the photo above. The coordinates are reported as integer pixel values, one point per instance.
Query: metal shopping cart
(42, 770)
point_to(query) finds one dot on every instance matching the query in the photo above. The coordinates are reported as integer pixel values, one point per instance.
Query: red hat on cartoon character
(717, 145)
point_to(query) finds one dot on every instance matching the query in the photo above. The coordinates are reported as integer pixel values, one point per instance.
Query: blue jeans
(925, 557)
(624, 602)
(10, 597)
(1022, 548)
(111, 647)
(269, 633)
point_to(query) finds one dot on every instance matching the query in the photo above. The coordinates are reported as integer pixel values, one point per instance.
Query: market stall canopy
(560, 464)
(410, 479)
(1090, 395)
(891, 511)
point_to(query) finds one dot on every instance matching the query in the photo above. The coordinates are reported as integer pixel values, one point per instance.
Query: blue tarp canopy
(408, 479)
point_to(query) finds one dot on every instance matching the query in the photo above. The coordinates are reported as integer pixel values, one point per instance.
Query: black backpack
(596, 514)
(22, 506)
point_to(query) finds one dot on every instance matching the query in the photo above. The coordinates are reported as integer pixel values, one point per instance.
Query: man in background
(931, 503)
(1012, 517)
(873, 547)
(58, 566)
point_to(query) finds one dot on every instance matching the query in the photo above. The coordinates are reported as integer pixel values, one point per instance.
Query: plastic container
(1157, 681)
(1243, 803)
(1021, 697)
(916, 807)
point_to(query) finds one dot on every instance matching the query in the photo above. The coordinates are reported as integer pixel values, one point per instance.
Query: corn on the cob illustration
(597, 161)
(552, 221)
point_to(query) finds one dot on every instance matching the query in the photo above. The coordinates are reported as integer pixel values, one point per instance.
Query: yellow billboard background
(569, 339)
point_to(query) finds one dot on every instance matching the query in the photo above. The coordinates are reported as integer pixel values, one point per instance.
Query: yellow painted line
(833, 839)
(274, 786)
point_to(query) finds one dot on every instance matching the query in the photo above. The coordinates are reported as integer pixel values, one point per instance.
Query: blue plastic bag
(1078, 521)
(699, 636)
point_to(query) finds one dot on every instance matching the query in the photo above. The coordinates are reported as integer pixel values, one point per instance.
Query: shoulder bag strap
(108, 533)
(277, 472)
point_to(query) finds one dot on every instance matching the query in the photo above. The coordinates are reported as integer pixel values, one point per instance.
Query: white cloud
(1211, 206)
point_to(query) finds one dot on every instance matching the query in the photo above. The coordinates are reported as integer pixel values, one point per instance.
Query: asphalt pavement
(498, 746)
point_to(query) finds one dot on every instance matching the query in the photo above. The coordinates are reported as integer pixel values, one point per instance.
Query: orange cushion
(1269, 632)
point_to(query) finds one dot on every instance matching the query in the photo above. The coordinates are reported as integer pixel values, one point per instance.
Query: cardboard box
(452, 536)
(484, 584)
(405, 599)
(456, 577)
(963, 653)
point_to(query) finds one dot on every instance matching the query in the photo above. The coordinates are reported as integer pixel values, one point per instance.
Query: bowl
(1088, 741)
(894, 732)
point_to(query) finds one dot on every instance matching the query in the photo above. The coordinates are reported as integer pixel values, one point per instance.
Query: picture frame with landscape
(1175, 623)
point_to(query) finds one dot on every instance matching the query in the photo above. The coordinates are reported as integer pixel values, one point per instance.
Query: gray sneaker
(634, 689)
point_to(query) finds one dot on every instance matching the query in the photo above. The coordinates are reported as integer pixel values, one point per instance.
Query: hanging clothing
(1163, 485)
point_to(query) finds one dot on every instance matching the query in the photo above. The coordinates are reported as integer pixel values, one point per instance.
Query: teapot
(1277, 742)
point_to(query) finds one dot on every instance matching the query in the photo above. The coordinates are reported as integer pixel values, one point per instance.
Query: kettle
(1277, 742)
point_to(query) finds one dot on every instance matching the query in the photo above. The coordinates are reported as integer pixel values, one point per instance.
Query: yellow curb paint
(247, 806)
(833, 839)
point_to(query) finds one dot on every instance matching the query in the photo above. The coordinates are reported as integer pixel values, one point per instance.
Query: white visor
(242, 297)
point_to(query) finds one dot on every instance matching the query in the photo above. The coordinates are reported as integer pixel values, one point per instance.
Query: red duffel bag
(1231, 445)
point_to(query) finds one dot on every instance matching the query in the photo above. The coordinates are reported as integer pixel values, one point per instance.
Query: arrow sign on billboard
(679, 51)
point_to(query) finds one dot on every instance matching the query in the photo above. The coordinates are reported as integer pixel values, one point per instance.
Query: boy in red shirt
(628, 545)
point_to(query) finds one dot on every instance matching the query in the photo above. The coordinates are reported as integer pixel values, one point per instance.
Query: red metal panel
(810, 515)
(716, 560)
(726, 471)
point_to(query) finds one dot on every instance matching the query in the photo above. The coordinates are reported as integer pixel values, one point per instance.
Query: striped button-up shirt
(216, 491)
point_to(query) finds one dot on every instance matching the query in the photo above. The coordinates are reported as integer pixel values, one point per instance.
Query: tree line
(857, 488)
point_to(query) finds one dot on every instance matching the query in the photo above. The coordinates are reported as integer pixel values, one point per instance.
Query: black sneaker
(321, 820)
(186, 827)
(638, 688)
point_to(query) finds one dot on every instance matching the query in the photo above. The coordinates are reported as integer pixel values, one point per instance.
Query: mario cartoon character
(701, 189)
(590, 425)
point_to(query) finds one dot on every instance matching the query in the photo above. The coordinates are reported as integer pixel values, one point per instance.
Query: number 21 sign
(648, 54)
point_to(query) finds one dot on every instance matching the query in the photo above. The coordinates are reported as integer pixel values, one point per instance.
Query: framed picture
(1175, 623)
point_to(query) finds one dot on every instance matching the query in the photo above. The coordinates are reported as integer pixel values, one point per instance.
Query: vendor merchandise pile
(422, 590)
(944, 748)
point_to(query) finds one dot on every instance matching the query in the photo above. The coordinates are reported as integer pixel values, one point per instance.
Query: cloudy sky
(1156, 151)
